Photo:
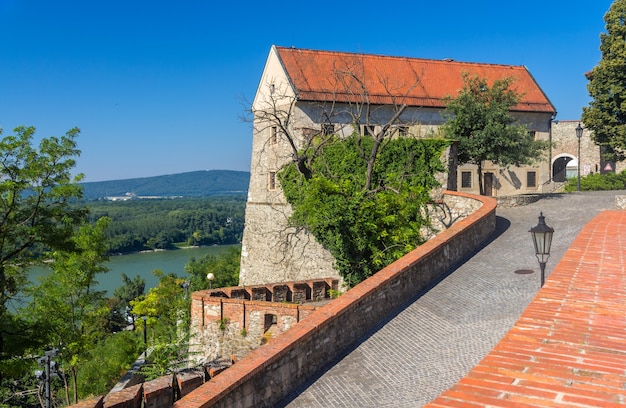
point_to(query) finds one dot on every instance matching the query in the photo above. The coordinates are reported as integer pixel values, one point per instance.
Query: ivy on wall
(365, 229)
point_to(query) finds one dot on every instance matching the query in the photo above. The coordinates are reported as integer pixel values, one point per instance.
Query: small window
(466, 179)
(533, 134)
(273, 134)
(269, 321)
(367, 130)
(531, 179)
(402, 131)
(328, 129)
(272, 181)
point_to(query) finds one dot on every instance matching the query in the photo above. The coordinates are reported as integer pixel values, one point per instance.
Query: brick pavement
(429, 345)
(569, 346)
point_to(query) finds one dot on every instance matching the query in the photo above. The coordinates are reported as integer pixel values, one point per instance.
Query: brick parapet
(270, 372)
(130, 397)
(159, 393)
(97, 402)
(189, 381)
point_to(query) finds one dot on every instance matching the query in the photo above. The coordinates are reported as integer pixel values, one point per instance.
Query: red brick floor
(569, 346)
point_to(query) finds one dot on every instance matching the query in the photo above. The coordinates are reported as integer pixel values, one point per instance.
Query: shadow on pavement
(502, 224)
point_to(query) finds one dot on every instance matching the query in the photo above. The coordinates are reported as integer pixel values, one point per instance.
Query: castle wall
(566, 145)
(230, 322)
(269, 373)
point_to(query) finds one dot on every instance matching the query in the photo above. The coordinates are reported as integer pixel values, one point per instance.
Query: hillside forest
(151, 224)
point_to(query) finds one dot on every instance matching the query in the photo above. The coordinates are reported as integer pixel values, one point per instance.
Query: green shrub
(597, 182)
(365, 228)
(109, 361)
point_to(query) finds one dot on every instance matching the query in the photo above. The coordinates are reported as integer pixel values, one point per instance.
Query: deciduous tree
(480, 119)
(166, 309)
(224, 267)
(71, 311)
(606, 113)
(352, 108)
(122, 296)
(36, 188)
(308, 133)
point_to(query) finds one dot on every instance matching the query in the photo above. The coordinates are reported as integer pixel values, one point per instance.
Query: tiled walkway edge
(569, 346)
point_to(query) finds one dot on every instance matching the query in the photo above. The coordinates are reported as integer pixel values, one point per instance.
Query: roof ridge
(398, 57)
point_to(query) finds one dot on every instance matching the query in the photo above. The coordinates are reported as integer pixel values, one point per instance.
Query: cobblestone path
(432, 342)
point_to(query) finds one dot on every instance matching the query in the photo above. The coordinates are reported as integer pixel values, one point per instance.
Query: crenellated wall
(233, 321)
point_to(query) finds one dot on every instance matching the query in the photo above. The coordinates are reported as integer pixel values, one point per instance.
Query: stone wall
(270, 372)
(272, 251)
(230, 322)
(566, 144)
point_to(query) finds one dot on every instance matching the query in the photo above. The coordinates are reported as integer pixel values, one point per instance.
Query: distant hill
(191, 184)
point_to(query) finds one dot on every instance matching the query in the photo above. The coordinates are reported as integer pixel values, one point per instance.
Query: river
(142, 264)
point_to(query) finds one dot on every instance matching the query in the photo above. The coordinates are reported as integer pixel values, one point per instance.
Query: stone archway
(559, 168)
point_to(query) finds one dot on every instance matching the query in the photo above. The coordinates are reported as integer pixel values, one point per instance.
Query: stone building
(303, 94)
(564, 157)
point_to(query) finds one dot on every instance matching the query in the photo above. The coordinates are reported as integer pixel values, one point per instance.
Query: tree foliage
(139, 225)
(162, 305)
(365, 219)
(480, 119)
(166, 309)
(606, 113)
(119, 304)
(35, 191)
(224, 267)
(71, 312)
(107, 362)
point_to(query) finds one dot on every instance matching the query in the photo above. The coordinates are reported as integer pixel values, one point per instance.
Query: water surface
(142, 264)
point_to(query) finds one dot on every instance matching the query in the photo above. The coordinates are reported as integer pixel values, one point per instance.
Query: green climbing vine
(365, 230)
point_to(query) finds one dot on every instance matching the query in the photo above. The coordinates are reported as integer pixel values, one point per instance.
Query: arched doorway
(559, 168)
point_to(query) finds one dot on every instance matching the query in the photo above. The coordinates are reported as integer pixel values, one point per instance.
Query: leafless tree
(350, 104)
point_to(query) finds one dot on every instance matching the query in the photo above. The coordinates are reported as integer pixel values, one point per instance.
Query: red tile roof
(424, 82)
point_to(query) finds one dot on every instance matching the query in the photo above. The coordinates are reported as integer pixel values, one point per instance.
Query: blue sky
(157, 87)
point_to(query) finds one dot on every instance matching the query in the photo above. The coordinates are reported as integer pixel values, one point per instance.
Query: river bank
(143, 264)
(175, 248)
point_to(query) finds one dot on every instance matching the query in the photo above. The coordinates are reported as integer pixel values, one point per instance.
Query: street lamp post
(185, 286)
(145, 335)
(579, 135)
(210, 277)
(51, 369)
(542, 239)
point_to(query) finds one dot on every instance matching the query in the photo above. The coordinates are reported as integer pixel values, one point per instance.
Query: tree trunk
(75, 385)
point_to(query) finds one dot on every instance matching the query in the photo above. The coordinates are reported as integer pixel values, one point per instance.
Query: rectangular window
(533, 134)
(531, 179)
(466, 179)
(367, 130)
(328, 129)
(271, 185)
(273, 134)
(401, 131)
